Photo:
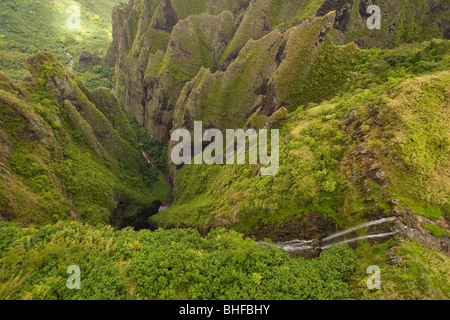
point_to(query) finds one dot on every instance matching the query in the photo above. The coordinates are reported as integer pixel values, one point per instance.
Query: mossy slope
(64, 157)
(379, 143)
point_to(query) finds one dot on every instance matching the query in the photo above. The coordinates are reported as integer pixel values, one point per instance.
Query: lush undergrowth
(156, 149)
(418, 273)
(27, 26)
(362, 132)
(180, 264)
(164, 264)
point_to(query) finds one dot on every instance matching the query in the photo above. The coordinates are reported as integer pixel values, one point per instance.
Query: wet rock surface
(313, 226)
(403, 224)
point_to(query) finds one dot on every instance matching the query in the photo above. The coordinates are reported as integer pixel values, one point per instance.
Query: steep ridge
(143, 32)
(146, 47)
(67, 151)
(197, 41)
(280, 70)
(342, 162)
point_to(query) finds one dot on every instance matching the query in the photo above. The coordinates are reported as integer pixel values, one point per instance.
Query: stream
(69, 67)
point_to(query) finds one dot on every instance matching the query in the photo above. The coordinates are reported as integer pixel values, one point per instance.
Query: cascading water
(371, 236)
(358, 227)
(297, 246)
(293, 245)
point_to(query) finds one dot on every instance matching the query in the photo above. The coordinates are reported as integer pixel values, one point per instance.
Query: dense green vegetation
(180, 264)
(156, 149)
(363, 135)
(164, 264)
(27, 26)
(317, 169)
(70, 152)
(420, 274)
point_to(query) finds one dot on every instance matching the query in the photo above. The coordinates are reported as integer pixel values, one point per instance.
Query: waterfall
(371, 236)
(360, 226)
(297, 245)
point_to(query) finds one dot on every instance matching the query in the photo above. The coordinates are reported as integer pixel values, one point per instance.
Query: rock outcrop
(241, 64)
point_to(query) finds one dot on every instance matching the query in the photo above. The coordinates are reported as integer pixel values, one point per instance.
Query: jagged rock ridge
(159, 46)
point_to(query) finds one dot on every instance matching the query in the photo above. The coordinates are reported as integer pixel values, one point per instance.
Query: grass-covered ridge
(69, 153)
(342, 157)
(260, 55)
(418, 273)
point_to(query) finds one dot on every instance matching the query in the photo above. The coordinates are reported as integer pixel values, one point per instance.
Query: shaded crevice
(281, 53)
(230, 58)
(137, 222)
(144, 106)
(343, 10)
(170, 17)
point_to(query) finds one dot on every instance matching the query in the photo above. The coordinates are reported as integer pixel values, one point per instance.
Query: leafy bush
(164, 264)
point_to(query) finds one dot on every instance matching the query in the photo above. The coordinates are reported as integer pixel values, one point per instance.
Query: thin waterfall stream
(360, 226)
(299, 246)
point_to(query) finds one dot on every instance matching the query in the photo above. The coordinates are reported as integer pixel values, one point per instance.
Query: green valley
(92, 92)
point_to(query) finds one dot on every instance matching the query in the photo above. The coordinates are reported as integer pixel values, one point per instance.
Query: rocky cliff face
(234, 64)
(269, 73)
(176, 61)
(401, 21)
(159, 45)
